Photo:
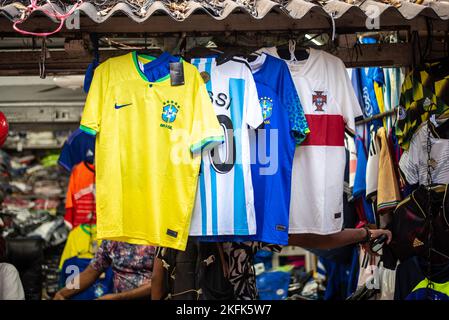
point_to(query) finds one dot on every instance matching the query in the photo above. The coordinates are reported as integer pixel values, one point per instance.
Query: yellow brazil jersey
(82, 242)
(149, 136)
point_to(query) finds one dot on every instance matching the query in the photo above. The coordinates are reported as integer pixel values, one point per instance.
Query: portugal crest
(319, 100)
(267, 108)
(169, 111)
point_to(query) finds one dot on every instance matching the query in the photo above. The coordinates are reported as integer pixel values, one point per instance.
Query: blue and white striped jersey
(225, 201)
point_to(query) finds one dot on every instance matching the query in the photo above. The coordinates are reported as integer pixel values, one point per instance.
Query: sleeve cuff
(88, 130)
(207, 143)
(300, 136)
(65, 166)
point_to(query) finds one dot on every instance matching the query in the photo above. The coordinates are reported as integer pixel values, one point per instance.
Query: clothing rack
(378, 116)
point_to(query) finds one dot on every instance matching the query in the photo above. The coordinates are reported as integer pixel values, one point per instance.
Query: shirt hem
(142, 240)
(314, 231)
(239, 232)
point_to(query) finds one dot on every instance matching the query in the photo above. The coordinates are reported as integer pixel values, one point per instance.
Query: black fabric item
(363, 293)
(412, 271)
(2, 249)
(196, 273)
(410, 225)
(26, 254)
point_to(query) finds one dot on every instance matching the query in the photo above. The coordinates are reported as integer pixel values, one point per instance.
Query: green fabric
(87, 228)
(88, 130)
(200, 145)
(440, 287)
(50, 160)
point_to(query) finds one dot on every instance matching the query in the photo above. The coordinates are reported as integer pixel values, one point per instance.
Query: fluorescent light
(308, 36)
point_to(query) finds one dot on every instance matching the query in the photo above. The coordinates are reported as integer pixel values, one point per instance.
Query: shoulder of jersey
(242, 61)
(114, 63)
(330, 58)
(403, 203)
(190, 67)
(119, 59)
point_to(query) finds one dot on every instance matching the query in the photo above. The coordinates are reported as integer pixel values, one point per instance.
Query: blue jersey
(79, 146)
(100, 287)
(366, 77)
(359, 189)
(285, 126)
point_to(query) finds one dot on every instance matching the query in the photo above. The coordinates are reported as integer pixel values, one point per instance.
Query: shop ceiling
(130, 24)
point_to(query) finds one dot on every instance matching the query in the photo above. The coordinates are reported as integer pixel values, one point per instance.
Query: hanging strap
(33, 6)
(429, 213)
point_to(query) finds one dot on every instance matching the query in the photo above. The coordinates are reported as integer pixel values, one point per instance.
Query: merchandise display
(201, 168)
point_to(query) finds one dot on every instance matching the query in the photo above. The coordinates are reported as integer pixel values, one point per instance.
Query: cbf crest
(267, 108)
(169, 112)
(319, 100)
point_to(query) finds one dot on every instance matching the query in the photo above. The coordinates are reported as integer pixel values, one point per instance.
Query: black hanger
(231, 52)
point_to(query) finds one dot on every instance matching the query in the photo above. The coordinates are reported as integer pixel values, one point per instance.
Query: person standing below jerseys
(132, 266)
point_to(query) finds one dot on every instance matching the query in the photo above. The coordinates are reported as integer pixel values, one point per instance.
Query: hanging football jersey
(425, 88)
(330, 104)
(372, 165)
(81, 242)
(79, 146)
(224, 203)
(80, 198)
(102, 286)
(413, 163)
(273, 149)
(147, 135)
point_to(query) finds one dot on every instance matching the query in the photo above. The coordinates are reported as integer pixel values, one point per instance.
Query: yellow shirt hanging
(147, 136)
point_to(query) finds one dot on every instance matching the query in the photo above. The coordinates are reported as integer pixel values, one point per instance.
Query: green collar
(87, 228)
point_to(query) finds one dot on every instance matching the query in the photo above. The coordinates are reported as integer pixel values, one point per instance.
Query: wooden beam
(26, 63)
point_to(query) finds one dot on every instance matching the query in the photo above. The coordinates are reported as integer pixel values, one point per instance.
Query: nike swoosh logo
(118, 106)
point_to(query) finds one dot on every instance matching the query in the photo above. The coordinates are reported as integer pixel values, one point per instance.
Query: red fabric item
(325, 130)
(80, 200)
(4, 128)
(358, 203)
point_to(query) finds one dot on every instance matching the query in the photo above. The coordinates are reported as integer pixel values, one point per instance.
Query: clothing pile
(32, 223)
(28, 139)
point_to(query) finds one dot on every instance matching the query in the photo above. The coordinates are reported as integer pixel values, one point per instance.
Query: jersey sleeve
(91, 118)
(346, 98)
(290, 99)
(254, 117)
(102, 259)
(404, 125)
(206, 131)
(69, 208)
(69, 250)
(409, 165)
(65, 158)
(70, 191)
(360, 172)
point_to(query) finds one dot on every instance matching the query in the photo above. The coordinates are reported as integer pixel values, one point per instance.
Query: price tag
(177, 73)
